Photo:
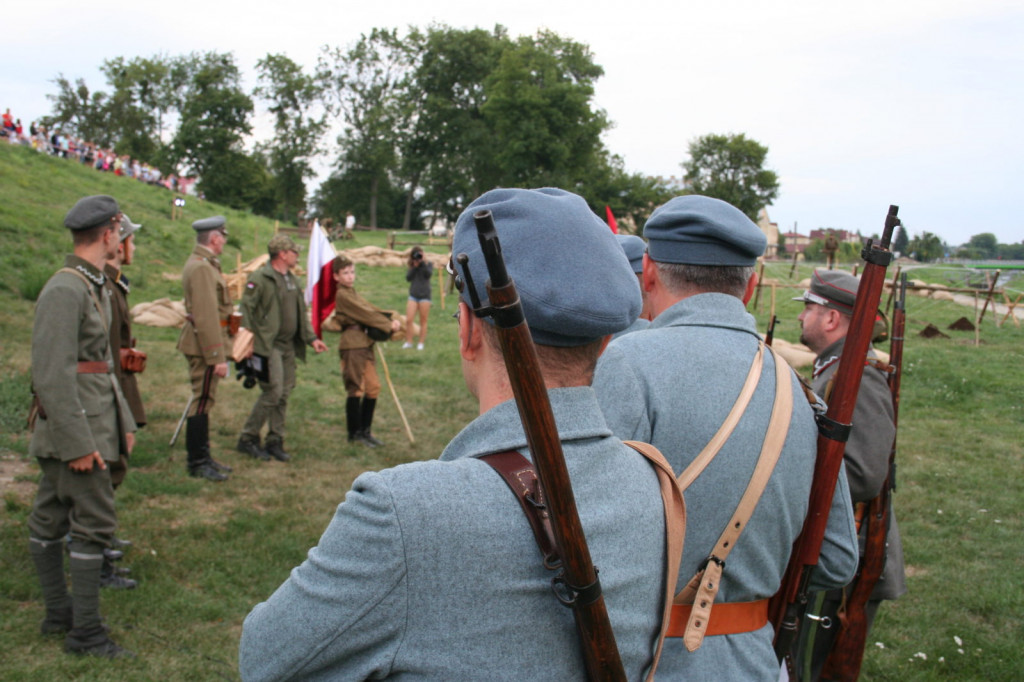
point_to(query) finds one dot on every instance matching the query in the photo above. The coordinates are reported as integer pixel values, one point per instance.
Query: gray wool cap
(90, 212)
(128, 228)
(216, 222)
(832, 288)
(573, 282)
(699, 230)
(634, 247)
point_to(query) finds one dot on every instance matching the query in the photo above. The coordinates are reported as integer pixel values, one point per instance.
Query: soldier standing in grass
(123, 347)
(429, 570)
(673, 385)
(84, 425)
(205, 341)
(357, 317)
(274, 310)
(824, 323)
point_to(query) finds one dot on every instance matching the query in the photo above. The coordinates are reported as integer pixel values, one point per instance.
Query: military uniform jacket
(261, 312)
(672, 385)
(121, 337)
(429, 570)
(68, 329)
(208, 300)
(353, 312)
(867, 454)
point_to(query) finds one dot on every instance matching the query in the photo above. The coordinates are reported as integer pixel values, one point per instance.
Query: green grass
(206, 553)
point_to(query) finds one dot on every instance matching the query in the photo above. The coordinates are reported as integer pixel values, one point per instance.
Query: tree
(731, 168)
(78, 112)
(985, 245)
(136, 109)
(926, 247)
(292, 96)
(900, 241)
(214, 118)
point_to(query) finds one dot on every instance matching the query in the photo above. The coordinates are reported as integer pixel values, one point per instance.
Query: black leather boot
(197, 443)
(354, 418)
(369, 405)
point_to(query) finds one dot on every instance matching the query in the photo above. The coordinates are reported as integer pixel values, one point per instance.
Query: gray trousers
(272, 405)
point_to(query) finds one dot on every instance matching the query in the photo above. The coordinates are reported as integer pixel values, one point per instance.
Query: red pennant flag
(320, 287)
(611, 219)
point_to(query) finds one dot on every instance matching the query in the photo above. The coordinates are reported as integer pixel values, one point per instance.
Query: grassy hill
(206, 553)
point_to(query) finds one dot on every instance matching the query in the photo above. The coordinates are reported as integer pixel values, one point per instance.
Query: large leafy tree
(137, 105)
(926, 247)
(79, 112)
(215, 114)
(731, 168)
(293, 97)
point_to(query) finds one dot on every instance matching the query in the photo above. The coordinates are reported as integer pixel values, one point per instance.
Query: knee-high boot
(369, 404)
(48, 557)
(197, 442)
(354, 420)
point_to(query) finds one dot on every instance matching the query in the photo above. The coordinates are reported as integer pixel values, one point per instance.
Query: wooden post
(988, 298)
(977, 322)
(792, 268)
(440, 285)
(757, 293)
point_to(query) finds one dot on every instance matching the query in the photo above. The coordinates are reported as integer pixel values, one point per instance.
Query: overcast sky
(908, 102)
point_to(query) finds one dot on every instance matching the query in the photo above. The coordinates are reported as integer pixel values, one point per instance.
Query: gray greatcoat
(429, 570)
(672, 385)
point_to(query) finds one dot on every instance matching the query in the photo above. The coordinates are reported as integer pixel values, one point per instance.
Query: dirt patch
(17, 477)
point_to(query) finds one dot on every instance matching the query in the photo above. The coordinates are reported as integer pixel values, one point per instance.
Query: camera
(417, 256)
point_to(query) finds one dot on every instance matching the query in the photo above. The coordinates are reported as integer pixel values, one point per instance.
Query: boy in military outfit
(79, 433)
(824, 324)
(358, 368)
(274, 310)
(673, 386)
(429, 570)
(205, 341)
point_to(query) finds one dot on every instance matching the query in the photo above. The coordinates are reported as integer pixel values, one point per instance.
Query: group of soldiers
(431, 569)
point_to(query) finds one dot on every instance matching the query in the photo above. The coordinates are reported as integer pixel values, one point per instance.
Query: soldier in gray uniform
(429, 570)
(634, 248)
(673, 386)
(824, 324)
(274, 310)
(205, 341)
(79, 432)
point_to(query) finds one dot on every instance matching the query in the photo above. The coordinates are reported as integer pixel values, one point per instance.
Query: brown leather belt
(93, 367)
(726, 619)
(192, 320)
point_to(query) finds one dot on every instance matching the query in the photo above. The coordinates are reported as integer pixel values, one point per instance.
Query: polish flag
(611, 219)
(320, 286)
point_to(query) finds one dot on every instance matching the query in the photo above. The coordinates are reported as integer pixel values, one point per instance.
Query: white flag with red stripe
(320, 286)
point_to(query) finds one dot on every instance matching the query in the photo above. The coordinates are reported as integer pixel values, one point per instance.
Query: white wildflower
(922, 655)
(940, 511)
(959, 642)
(879, 645)
(960, 651)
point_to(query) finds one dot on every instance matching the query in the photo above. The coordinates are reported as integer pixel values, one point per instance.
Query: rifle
(576, 584)
(844, 660)
(790, 601)
(769, 335)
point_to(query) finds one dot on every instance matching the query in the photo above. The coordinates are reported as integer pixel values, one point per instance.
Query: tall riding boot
(354, 418)
(88, 636)
(369, 404)
(197, 443)
(49, 560)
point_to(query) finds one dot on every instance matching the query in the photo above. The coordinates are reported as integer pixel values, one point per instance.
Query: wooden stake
(387, 376)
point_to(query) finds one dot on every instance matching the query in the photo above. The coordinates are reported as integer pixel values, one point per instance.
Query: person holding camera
(419, 275)
(274, 310)
(362, 324)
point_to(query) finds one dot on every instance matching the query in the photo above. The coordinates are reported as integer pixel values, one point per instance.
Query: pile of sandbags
(377, 256)
(796, 354)
(162, 312)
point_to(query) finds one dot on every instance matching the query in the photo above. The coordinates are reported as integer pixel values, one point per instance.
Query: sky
(906, 102)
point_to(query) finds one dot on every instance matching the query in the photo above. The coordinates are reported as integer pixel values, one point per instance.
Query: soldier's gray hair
(686, 279)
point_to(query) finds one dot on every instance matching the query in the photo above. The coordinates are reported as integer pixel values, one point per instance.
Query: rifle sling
(702, 589)
(520, 476)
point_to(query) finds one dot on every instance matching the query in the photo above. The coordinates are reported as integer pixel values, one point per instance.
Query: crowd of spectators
(56, 143)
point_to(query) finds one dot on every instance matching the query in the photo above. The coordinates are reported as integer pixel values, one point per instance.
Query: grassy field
(206, 553)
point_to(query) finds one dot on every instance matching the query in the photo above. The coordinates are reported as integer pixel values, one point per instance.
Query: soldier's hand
(395, 325)
(129, 442)
(84, 465)
(319, 346)
(221, 369)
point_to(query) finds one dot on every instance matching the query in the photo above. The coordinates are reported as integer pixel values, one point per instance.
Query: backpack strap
(703, 587)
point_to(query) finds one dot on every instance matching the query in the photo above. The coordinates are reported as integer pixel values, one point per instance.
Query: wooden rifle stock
(789, 602)
(847, 654)
(576, 584)
(769, 335)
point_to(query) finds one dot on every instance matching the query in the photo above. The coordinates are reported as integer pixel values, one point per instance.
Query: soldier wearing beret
(634, 247)
(673, 386)
(824, 322)
(79, 433)
(429, 569)
(205, 341)
(121, 344)
(274, 310)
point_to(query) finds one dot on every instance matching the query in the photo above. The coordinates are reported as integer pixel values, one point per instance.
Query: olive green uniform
(121, 337)
(71, 348)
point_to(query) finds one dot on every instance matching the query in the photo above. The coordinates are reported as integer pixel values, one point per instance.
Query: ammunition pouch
(132, 361)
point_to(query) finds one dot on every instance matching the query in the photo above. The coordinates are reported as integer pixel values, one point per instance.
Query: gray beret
(217, 222)
(634, 248)
(699, 230)
(573, 282)
(279, 243)
(833, 289)
(128, 228)
(90, 212)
